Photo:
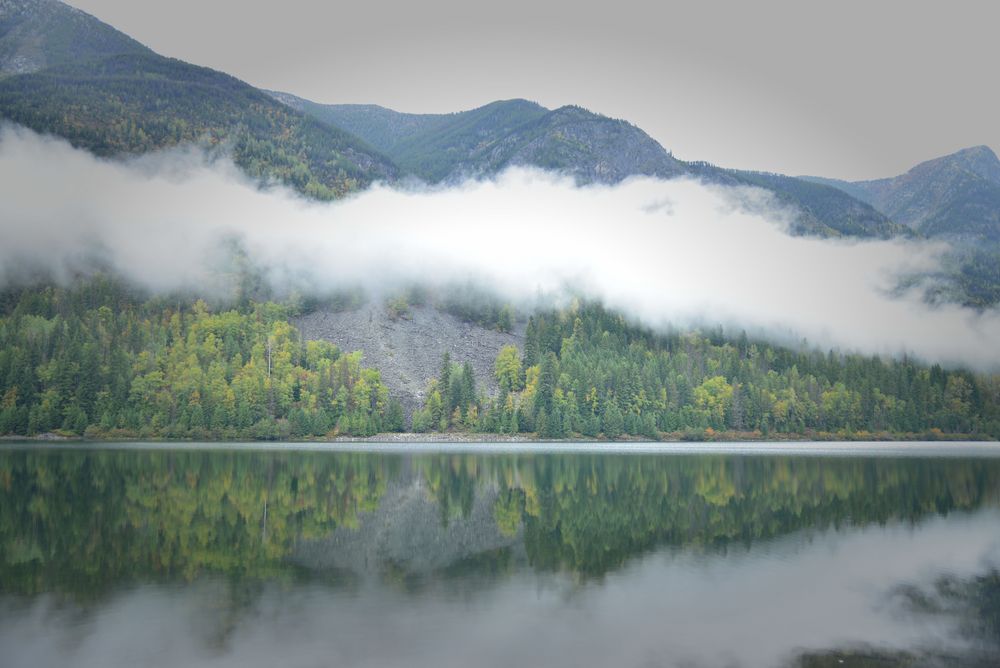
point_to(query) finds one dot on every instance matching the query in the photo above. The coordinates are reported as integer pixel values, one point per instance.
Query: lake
(548, 555)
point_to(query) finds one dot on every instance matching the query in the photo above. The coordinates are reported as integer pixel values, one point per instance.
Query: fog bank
(675, 252)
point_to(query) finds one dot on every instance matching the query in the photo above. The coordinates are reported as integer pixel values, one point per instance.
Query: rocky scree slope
(408, 350)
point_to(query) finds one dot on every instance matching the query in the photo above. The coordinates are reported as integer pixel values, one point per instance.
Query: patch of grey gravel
(408, 350)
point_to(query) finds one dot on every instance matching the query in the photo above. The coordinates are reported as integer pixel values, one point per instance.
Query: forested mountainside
(505, 133)
(585, 370)
(956, 195)
(822, 210)
(98, 359)
(125, 99)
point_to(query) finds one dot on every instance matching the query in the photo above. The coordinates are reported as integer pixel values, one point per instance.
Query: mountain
(956, 195)
(483, 141)
(955, 198)
(588, 146)
(35, 34)
(572, 140)
(381, 127)
(820, 209)
(81, 79)
(124, 99)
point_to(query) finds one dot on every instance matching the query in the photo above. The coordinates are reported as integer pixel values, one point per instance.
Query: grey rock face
(408, 350)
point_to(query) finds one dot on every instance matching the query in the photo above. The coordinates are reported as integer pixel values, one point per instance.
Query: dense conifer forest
(586, 371)
(100, 360)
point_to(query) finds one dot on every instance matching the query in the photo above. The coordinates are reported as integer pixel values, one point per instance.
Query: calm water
(196, 556)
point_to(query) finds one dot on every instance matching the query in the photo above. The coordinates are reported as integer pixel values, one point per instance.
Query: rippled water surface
(765, 555)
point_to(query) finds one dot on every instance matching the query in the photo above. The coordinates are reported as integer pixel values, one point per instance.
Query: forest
(585, 371)
(96, 359)
(99, 360)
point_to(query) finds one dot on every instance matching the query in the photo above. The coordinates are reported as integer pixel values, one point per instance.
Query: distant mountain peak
(978, 160)
(982, 151)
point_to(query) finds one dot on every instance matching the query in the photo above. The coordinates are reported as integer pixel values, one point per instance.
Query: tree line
(585, 371)
(97, 359)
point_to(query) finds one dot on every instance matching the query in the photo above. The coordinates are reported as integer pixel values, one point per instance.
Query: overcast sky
(843, 89)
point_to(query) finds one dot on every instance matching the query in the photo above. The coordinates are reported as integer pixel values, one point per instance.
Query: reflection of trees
(451, 480)
(589, 514)
(81, 521)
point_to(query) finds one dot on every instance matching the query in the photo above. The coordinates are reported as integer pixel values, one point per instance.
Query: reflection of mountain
(85, 521)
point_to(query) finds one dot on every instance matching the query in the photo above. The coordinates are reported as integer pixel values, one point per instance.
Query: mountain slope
(136, 101)
(380, 127)
(572, 140)
(35, 34)
(955, 198)
(822, 210)
(408, 350)
(434, 147)
(483, 141)
(956, 195)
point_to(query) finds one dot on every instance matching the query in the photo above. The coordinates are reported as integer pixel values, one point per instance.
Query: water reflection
(261, 558)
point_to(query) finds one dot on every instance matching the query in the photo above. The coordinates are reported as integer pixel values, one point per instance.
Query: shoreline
(525, 438)
(942, 450)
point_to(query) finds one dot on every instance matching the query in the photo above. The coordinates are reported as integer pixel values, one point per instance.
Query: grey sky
(844, 89)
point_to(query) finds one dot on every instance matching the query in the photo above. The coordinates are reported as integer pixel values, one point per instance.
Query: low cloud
(665, 252)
